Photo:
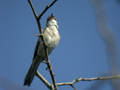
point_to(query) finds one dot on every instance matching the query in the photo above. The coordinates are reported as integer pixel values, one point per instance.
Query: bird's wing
(36, 49)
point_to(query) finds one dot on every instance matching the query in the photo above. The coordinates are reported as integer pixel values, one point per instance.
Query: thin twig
(88, 79)
(41, 32)
(47, 7)
(73, 87)
(33, 9)
(36, 17)
(51, 73)
(43, 80)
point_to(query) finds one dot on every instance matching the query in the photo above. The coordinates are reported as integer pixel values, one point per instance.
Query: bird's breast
(52, 38)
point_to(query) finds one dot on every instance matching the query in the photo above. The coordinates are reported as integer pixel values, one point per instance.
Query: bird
(51, 38)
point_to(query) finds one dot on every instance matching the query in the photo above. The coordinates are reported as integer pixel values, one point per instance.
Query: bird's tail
(31, 72)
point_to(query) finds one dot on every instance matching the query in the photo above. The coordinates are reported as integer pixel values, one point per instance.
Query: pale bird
(52, 38)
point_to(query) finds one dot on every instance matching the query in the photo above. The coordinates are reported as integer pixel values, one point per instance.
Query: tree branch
(88, 79)
(43, 80)
(45, 46)
(36, 16)
(33, 9)
(51, 73)
(47, 7)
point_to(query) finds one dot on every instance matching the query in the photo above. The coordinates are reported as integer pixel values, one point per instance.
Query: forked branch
(72, 83)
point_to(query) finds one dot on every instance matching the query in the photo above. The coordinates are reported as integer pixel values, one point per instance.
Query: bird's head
(52, 21)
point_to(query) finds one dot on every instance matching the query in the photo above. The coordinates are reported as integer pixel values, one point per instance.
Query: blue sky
(81, 52)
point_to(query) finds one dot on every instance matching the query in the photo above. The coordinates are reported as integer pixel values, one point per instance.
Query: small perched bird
(51, 38)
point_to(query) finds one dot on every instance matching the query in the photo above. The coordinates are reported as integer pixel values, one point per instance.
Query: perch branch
(51, 73)
(43, 80)
(45, 46)
(88, 79)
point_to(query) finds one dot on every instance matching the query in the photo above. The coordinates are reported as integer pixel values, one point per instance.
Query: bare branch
(36, 16)
(73, 87)
(88, 79)
(51, 73)
(43, 80)
(33, 9)
(47, 7)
